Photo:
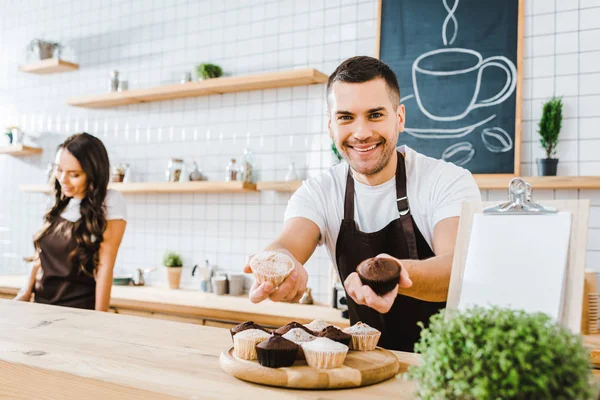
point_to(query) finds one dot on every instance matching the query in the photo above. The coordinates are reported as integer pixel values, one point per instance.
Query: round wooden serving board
(361, 368)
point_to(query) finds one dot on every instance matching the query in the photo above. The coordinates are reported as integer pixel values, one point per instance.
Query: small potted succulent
(174, 265)
(499, 353)
(46, 49)
(208, 71)
(549, 130)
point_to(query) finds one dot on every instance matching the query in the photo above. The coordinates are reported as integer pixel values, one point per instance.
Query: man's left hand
(364, 295)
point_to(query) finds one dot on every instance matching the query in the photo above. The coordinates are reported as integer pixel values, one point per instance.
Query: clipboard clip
(519, 201)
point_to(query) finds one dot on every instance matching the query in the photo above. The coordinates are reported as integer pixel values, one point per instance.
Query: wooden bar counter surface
(49, 352)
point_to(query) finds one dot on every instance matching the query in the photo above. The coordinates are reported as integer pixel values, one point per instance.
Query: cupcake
(245, 326)
(323, 353)
(299, 336)
(333, 333)
(276, 352)
(244, 343)
(271, 266)
(292, 325)
(364, 338)
(317, 325)
(380, 274)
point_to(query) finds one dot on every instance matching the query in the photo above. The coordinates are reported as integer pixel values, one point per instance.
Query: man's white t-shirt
(436, 190)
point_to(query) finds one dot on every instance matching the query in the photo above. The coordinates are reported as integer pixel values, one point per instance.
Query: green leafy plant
(171, 259)
(335, 151)
(208, 71)
(498, 353)
(45, 47)
(550, 124)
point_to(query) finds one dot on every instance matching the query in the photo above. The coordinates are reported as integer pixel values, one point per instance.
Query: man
(383, 201)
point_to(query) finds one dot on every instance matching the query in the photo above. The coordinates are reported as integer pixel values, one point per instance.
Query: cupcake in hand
(381, 274)
(271, 266)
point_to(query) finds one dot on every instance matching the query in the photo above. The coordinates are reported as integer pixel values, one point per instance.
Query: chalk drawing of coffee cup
(459, 153)
(496, 140)
(458, 72)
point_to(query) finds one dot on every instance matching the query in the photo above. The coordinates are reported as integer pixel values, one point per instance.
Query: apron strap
(401, 201)
(404, 208)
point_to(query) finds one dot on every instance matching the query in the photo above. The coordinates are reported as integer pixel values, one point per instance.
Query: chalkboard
(458, 63)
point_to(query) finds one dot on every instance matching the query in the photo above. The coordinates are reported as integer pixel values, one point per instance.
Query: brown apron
(402, 239)
(62, 283)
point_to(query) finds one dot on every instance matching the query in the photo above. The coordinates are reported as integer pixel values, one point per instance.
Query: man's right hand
(291, 290)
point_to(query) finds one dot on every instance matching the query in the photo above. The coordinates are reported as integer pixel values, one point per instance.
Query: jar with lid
(247, 166)
(231, 172)
(174, 168)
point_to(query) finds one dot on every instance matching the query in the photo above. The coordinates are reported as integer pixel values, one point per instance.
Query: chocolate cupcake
(292, 325)
(276, 352)
(245, 326)
(380, 274)
(333, 333)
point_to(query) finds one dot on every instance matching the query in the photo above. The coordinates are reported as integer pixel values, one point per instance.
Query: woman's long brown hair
(88, 231)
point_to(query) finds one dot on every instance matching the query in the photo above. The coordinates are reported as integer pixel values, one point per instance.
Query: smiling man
(383, 201)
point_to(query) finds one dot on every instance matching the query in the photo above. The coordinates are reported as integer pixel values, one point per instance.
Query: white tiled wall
(153, 42)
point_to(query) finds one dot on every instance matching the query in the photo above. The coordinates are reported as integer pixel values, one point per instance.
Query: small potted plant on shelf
(174, 265)
(208, 71)
(498, 353)
(549, 130)
(46, 49)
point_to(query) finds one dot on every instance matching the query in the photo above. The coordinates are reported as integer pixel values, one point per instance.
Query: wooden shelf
(163, 187)
(20, 150)
(542, 182)
(285, 186)
(483, 181)
(269, 80)
(49, 66)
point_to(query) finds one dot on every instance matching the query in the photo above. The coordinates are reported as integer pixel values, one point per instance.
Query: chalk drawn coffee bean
(459, 153)
(496, 140)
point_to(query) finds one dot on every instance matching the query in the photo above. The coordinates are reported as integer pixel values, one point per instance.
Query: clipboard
(519, 203)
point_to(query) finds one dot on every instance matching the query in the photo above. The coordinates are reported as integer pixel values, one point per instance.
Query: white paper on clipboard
(517, 261)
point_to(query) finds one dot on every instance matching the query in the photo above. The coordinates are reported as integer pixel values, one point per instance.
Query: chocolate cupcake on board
(245, 326)
(335, 334)
(381, 274)
(276, 352)
(292, 325)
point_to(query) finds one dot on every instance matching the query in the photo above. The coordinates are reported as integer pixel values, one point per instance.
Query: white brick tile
(567, 42)
(542, 6)
(590, 18)
(542, 45)
(567, 21)
(589, 128)
(567, 85)
(590, 40)
(567, 64)
(543, 24)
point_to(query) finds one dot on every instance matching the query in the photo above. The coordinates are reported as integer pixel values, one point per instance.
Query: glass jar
(173, 172)
(231, 172)
(248, 166)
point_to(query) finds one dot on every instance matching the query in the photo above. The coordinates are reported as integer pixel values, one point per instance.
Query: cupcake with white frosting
(364, 337)
(299, 336)
(317, 325)
(244, 343)
(271, 266)
(323, 353)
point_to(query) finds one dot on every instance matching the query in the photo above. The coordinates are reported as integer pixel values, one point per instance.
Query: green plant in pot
(498, 353)
(208, 71)
(174, 265)
(549, 130)
(46, 49)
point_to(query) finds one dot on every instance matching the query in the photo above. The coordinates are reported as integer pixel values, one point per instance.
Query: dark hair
(361, 69)
(88, 231)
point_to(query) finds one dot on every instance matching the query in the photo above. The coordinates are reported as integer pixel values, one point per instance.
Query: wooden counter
(49, 352)
(199, 308)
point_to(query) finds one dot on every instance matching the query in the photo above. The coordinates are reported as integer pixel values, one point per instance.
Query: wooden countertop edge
(221, 314)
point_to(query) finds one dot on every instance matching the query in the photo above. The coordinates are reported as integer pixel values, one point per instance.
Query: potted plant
(208, 71)
(498, 353)
(549, 129)
(172, 261)
(45, 48)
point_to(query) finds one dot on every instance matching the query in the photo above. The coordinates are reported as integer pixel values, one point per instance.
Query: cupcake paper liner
(276, 358)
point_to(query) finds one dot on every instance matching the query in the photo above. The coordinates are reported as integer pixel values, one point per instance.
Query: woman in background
(77, 246)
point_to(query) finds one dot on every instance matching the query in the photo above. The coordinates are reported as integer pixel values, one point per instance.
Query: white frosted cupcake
(299, 336)
(323, 353)
(271, 266)
(317, 325)
(244, 343)
(364, 338)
